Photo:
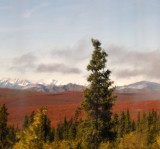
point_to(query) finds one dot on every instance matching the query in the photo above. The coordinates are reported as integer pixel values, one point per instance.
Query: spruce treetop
(96, 43)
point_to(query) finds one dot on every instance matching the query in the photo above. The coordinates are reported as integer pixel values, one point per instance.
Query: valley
(22, 102)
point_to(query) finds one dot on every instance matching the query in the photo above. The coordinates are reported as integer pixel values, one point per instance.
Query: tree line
(37, 132)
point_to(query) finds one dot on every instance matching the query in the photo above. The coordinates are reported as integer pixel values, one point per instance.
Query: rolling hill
(21, 102)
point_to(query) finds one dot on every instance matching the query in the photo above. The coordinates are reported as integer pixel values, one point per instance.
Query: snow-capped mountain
(42, 85)
(139, 86)
(14, 83)
(50, 82)
(54, 86)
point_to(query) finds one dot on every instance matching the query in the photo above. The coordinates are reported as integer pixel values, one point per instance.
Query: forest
(93, 126)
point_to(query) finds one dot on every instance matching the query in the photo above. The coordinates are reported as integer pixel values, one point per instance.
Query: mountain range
(141, 86)
(54, 86)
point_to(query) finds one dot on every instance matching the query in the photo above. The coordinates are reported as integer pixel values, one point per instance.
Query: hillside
(20, 102)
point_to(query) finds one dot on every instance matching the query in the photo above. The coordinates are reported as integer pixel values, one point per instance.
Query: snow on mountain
(18, 83)
(13, 83)
(49, 82)
(41, 85)
(55, 86)
(142, 85)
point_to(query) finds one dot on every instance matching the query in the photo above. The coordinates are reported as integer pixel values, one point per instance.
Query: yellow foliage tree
(31, 138)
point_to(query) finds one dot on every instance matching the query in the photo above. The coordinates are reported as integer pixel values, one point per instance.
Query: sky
(51, 39)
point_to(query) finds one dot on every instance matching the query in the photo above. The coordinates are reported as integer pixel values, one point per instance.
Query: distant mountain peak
(16, 83)
(41, 85)
(54, 86)
(49, 82)
(142, 85)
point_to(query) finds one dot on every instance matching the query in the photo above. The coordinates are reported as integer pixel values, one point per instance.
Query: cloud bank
(129, 64)
(124, 63)
(29, 62)
(61, 68)
(24, 62)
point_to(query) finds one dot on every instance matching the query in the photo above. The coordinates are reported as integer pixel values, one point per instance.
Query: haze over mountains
(54, 86)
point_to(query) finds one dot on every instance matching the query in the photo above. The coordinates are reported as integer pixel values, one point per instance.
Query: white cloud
(133, 64)
(57, 68)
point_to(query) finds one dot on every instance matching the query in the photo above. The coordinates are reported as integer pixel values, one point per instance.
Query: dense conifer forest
(98, 128)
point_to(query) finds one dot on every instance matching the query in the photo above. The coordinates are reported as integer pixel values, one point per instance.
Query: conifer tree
(115, 125)
(65, 129)
(3, 126)
(59, 132)
(128, 122)
(26, 122)
(31, 117)
(122, 124)
(133, 126)
(11, 137)
(138, 121)
(98, 98)
(72, 131)
(7, 133)
(36, 134)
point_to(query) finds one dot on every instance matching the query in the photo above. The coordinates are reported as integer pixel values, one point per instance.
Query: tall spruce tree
(26, 122)
(98, 99)
(3, 127)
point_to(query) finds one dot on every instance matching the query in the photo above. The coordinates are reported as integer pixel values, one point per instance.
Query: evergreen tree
(133, 126)
(128, 122)
(26, 122)
(98, 98)
(31, 118)
(3, 126)
(122, 124)
(7, 133)
(59, 132)
(65, 129)
(11, 137)
(151, 127)
(72, 131)
(138, 121)
(115, 124)
(36, 134)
